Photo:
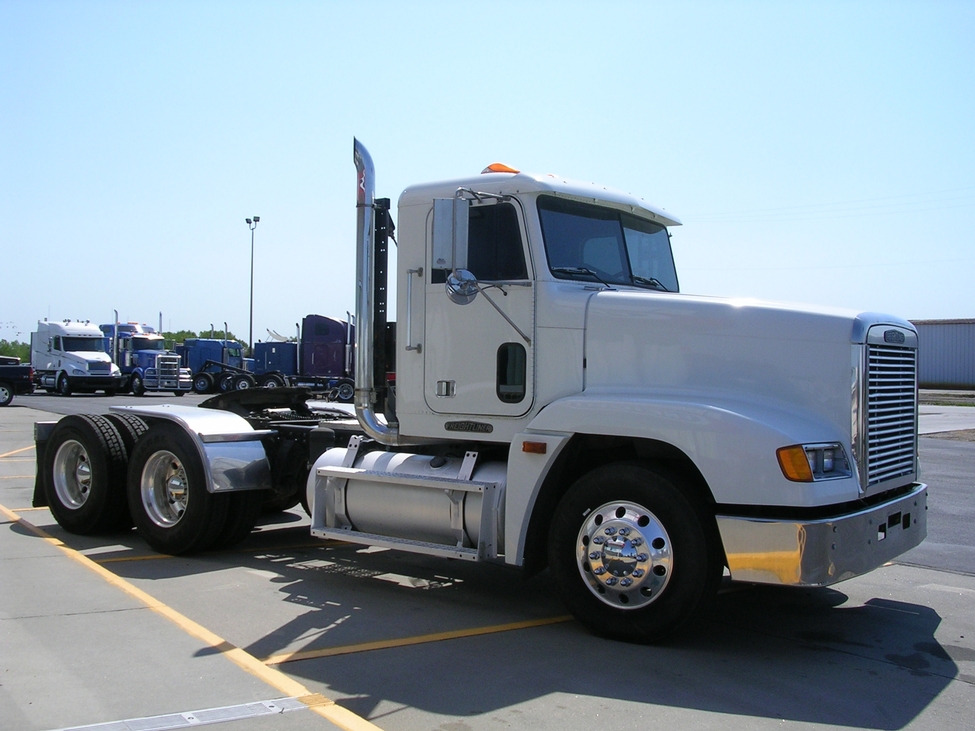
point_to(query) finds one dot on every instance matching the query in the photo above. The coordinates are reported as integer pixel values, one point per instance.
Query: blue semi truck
(320, 360)
(144, 360)
(216, 364)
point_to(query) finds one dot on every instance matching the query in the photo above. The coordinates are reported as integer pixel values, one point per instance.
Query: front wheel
(64, 386)
(168, 497)
(138, 387)
(632, 557)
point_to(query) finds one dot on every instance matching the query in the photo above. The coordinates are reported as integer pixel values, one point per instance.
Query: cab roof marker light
(499, 167)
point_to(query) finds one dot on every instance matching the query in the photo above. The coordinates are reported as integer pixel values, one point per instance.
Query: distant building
(946, 356)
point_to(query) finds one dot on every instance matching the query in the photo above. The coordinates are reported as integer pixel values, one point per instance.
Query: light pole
(252, 223)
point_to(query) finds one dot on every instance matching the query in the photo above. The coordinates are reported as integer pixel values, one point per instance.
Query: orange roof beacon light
(499, 167)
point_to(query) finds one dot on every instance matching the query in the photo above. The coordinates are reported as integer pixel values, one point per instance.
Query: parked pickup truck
(14, 378)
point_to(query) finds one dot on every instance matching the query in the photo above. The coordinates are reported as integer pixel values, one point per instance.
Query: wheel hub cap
(164, 489)
(72, 474)
(624, 555)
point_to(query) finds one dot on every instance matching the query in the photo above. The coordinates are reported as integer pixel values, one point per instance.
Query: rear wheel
(6, 394)
(225, 382)
(271, 381)
(202, 382)
(243, 510)
(346, 391)
(168, 496)
(632, 557)
(84, 466)
(243, 382)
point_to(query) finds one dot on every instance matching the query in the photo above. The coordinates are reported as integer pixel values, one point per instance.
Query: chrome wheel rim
(72, 474)
(164, 488)
(624, 555)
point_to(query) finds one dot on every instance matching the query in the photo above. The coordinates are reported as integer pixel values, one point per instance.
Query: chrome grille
(891, 412)
(168, 366)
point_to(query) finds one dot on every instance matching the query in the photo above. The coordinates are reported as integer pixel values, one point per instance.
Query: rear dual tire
(169, 501)
(84, 465)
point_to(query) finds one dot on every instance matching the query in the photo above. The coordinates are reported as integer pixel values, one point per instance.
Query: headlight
(812, 462)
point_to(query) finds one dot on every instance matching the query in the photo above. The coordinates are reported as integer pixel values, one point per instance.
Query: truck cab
(70, 356)
(549, 398)
(146, 363)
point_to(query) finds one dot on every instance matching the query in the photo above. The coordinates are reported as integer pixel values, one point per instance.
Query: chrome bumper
(823, 552)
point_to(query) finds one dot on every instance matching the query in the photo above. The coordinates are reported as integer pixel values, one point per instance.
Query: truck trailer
(558, 404)
(70, 356)
(144, 360)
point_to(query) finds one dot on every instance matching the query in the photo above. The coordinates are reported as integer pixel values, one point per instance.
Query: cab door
(479, 357)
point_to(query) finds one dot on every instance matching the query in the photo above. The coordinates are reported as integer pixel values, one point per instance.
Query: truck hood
(797, 359)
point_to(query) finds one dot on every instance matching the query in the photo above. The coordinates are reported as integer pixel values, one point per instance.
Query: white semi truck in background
(548, 399)
(70, 355)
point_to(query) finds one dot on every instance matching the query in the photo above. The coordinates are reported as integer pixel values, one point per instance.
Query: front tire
(64, 386)
(168, 496)
(84, 467)
(138, 387)
(632, 557)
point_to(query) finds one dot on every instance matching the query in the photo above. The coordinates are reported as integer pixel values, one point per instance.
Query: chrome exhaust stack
(365, 302)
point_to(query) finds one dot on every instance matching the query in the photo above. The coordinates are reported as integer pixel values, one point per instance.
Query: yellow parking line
(321, 705)
(407, 641)
(16, 451)
(16, 477)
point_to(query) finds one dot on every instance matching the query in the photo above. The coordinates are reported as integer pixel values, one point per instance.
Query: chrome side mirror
(461, 287)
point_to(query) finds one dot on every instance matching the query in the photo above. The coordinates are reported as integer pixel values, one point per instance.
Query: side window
(494, 246)
(512, 372)
(494, 249)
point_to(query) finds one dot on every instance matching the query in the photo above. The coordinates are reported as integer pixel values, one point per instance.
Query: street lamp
(250, 335)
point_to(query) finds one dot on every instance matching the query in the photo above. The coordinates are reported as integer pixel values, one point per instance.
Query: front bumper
(823, 552)
(95, 382)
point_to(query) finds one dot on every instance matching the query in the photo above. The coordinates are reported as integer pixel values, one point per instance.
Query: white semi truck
(70, 355)
(556, 403)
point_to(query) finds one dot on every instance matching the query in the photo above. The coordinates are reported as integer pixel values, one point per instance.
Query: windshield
(148, 344)
(84, 345)
(595, 243)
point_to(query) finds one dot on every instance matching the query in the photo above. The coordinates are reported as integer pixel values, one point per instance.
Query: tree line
(22, 350)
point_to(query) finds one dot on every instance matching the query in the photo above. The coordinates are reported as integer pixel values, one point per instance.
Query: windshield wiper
(575, 271)
(649, 281)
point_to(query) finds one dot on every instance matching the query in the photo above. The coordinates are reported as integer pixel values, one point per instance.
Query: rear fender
(231, 451)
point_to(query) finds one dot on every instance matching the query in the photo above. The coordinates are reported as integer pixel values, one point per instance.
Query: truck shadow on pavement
(808, 655)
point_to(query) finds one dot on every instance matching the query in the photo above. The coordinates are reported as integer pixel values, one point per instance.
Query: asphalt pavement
(286, 632)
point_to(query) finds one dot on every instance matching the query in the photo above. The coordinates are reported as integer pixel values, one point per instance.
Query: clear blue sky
(819, 152)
